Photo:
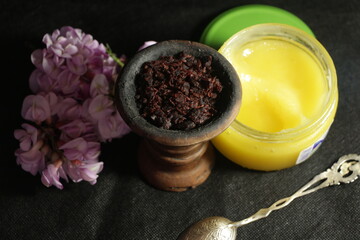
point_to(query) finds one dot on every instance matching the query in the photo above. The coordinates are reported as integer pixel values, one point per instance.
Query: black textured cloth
(121, 205)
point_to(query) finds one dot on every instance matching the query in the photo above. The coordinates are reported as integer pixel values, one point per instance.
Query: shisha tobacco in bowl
(177, 92)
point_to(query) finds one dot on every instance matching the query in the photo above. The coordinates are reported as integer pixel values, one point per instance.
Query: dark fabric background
(121, 205)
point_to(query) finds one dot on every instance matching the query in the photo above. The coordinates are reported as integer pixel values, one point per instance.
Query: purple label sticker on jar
(307, 152)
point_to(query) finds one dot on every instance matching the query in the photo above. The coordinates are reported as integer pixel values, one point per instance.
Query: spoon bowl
(210, 228)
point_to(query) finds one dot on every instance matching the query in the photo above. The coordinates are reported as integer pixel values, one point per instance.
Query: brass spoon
(345, 170)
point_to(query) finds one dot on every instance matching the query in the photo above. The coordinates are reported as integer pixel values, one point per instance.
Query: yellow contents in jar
(283, 86)
(289, 97)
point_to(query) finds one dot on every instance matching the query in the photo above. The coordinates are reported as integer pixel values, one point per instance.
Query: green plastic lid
(232, 21)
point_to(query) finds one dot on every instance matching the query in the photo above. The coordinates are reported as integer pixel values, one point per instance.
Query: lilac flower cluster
(70, 111)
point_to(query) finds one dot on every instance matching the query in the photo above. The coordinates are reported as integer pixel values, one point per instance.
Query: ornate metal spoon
(345, 170)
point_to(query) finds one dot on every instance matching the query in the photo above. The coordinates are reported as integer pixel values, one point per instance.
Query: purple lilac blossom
(112, 126)
(84, 171)
(77, 128)
(27, 136)
(51, 176)
(35, 108)
(70, 111)
(81, 150)
(33, 160)
(147, 44)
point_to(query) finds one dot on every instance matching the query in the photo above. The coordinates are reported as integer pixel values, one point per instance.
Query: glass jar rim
(308, 42)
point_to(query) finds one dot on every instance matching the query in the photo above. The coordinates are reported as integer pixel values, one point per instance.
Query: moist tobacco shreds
(177, 92)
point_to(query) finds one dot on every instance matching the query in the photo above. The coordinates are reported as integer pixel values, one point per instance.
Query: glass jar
(267, 151)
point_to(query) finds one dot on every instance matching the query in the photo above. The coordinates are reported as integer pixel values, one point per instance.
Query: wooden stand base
(175, 168)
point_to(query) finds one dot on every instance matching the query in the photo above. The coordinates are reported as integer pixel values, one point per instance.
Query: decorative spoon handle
(345, 170)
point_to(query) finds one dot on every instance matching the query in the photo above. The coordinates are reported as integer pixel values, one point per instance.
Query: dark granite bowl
(228, 102)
